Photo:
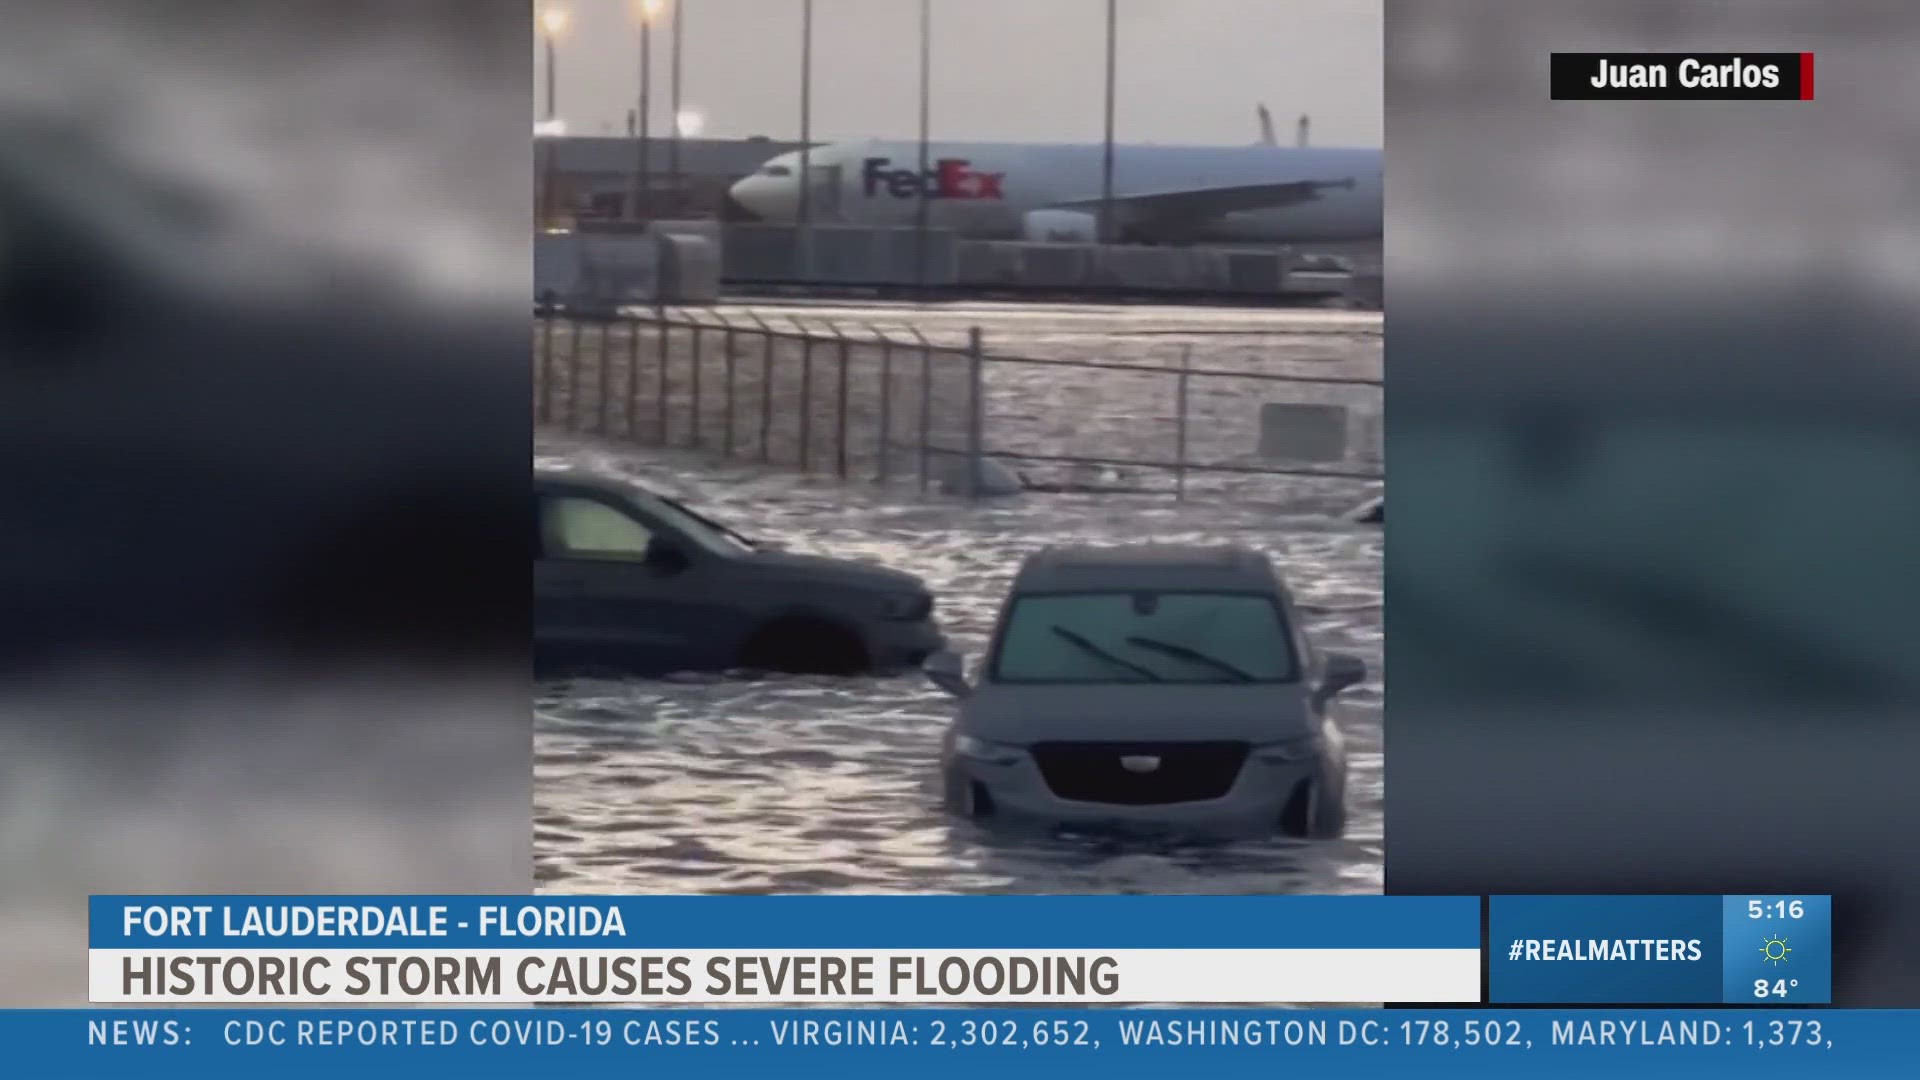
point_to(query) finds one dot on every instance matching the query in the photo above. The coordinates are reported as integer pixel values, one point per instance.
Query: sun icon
(1775, 950)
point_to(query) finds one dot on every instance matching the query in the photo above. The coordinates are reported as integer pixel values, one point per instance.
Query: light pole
(553, 23)
(804, 213)
(673, 148)
(646, 11)
(1106, 165)
(926, 93)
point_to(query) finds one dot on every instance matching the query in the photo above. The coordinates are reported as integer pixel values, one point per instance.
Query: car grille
(1096, 771)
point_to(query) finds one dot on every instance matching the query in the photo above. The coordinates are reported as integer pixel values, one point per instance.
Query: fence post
(806, 392)
(697, 326)
(926, 406)
(660, 406)
(976, 411)
(727, 342)
(840, 403)
(606, 379)
(544, 383)
(1180, 425)
(766, 389)
(573, 378)
(886, 400)
(633, 378)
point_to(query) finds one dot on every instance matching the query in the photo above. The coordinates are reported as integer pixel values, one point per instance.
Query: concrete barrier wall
(596, 268)
(689, 269)
(1369, 289)
(842, 255)
(1256, 272)
(670, 262)
(556, 264)
(706, 229)
(1012, 264)
(875, 257)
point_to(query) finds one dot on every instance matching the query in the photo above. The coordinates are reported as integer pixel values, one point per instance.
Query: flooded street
(801, 784)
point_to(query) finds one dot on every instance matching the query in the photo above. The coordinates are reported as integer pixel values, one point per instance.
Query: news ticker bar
(210, 1044)
(1681, 76)
(976, 950)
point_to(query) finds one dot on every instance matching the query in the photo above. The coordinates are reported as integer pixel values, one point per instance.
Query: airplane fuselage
(989, 190)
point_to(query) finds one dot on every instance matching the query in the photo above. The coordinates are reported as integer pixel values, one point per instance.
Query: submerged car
(631, 580)
(1157, 686)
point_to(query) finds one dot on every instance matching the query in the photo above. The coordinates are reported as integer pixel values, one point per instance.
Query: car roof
(1148, 566)
(563, 480)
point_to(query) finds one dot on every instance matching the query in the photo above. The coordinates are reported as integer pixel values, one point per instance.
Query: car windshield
(696, 527)
(1146, 637)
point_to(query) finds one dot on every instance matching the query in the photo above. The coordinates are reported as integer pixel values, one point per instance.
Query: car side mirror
(1343, 670)
(664, 557)
(948, 671)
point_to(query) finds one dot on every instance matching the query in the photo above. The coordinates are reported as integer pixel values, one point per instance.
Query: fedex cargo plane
(1051, 192)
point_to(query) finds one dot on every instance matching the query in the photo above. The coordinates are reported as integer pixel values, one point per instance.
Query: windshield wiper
(1182, 652)
(1096, 651)
(707, 521)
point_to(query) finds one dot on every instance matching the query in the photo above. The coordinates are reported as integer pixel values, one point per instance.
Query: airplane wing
(1192, 204)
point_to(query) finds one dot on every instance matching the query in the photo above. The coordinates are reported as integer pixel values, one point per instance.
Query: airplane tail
(1266, 126)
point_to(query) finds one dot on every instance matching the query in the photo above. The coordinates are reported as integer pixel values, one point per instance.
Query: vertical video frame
(954, 481)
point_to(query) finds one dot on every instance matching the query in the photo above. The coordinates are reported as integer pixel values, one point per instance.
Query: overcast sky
(1189, 70)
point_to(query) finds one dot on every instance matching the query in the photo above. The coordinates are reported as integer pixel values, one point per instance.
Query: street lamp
(646, 11)
(804, 212)
(673, 147)
(553, 25)
(1106, 157)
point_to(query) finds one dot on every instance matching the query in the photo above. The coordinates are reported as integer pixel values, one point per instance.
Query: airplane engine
(1062, 227)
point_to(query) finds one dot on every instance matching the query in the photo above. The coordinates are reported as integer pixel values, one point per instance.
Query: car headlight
(906, 607)
(984, 750)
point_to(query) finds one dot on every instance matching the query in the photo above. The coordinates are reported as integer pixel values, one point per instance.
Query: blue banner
(781, 922)
(1647, 950)
(1778, 950)
(1626, 949)
(207, 1044)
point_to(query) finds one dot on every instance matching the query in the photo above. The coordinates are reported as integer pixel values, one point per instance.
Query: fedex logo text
(949, 178)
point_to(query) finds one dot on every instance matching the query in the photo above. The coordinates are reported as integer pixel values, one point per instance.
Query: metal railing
(891, 404)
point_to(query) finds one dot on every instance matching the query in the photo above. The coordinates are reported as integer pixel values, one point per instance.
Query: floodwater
(803, 784)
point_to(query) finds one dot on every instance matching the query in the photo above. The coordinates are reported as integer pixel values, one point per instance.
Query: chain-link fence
(891, 404)
(810, 396)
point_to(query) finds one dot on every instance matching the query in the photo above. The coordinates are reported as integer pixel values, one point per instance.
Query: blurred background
(262, 457)
(263, 453)
(1650, 584)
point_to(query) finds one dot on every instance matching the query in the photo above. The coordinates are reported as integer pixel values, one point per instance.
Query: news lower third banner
(1117, 1043)
(781, 950)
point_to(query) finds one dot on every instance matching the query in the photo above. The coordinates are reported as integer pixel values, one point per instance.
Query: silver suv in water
(1157, 686)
